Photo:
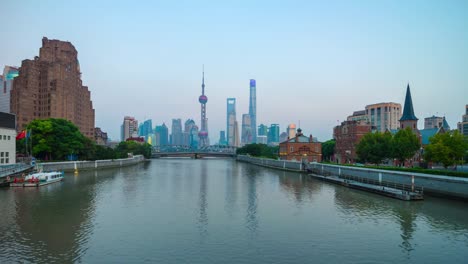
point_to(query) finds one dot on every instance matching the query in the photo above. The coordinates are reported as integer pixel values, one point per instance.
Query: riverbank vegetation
(259, 150)
(56, 139)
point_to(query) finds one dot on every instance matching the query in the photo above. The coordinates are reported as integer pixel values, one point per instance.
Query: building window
(9, 138)
(7, 160)
(291, 149)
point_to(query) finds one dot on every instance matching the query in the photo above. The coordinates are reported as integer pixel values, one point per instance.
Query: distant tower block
(203, 99)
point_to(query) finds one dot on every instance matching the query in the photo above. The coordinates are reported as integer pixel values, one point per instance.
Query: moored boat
(38, 179)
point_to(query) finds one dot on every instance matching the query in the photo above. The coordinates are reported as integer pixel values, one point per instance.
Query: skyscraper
(203, 99)
(222, 138)
(262, 130)
(291, 130)
(161, 135)
(273, 134)
(246, 136)
(145, 129)
(176, 132)
(253, 109)
(190, 134)
(6, 84)
(50, 86)
(129, 128)
(230, 119)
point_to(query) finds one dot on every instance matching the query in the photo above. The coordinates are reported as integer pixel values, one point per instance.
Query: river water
(222, 211)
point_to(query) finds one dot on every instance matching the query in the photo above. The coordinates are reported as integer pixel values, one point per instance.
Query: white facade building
(7, 138)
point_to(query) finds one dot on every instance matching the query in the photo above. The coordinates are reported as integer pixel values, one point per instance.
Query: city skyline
(296, 52)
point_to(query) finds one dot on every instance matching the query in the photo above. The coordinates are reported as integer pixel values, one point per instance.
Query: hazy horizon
(314, 62)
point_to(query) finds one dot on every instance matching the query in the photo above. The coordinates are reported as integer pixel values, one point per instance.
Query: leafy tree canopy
(328, 149)
(374, 147)
(54, 139)
(259, 150)
(405, 143)
(447, 148)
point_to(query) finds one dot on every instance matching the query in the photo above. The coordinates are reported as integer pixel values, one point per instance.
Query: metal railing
(389, 184)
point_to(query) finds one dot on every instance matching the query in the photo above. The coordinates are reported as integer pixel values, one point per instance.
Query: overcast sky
(314, 61)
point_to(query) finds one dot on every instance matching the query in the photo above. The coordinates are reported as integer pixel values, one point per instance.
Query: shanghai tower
(203, 134)
(253, 109)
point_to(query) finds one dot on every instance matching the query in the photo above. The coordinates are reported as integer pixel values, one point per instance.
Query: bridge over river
(183, 151)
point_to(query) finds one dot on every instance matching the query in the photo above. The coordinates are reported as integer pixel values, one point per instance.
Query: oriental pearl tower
(203, 134)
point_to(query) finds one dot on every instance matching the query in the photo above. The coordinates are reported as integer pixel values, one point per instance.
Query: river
(222, 211)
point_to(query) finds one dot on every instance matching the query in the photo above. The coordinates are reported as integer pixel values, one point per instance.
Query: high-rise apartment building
(383, 116)
(129, 128)
(50, 86)
(6, 84)
(247, 133)
(463, 125)
(176, 132)
(253, 109)
(230, 120)
(274, 134)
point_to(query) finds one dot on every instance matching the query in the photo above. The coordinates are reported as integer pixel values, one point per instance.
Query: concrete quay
(436, 185)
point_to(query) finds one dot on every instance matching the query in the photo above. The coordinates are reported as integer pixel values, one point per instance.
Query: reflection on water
(215, 210)
(203, 215)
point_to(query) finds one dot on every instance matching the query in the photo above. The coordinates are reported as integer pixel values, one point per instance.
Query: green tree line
(57, 139)
(259, 150)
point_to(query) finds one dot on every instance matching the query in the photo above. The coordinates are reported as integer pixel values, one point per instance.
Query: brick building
(100, 137)
(50, 86)
(301, 147)
(347, 136)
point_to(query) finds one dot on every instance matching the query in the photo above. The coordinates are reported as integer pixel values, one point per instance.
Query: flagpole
(26, 143)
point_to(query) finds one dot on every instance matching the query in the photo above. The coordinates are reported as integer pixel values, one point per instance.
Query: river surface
(221, 211)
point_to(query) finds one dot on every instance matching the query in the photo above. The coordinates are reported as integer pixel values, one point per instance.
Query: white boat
(38, 179)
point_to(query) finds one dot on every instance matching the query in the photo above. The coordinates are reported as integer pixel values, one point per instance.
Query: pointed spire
(203, 80)
(408, 111)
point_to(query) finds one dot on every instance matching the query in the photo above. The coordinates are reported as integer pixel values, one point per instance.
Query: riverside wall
(90, 165)
(439, 185)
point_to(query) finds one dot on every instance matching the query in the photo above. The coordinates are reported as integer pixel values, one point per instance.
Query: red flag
(21, 135)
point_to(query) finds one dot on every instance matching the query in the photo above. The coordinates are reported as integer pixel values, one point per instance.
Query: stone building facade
(50, 86)
(347, 136)
(301, 148)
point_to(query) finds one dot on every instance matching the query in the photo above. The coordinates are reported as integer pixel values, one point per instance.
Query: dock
(405, 193)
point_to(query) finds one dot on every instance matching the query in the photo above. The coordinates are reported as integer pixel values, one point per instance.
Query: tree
(448, 148)
(126, 147)
(328, 149)
(374, 147)
(259, 150)
(54, 139)
(404, 144)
